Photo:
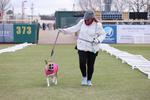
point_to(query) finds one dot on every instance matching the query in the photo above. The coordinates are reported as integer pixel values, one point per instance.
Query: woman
(91, 33)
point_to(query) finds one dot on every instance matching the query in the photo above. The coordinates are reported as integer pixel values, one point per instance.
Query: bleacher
(113, 15)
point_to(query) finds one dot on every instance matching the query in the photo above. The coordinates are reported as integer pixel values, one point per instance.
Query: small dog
(51, 70)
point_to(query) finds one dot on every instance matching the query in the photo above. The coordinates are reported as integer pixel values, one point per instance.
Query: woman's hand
(61, 30)
(96, 41)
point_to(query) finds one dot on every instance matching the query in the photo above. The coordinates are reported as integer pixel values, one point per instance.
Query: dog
(50, 71)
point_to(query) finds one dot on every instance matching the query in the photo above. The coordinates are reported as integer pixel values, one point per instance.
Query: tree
(137, 5)
(120, 5)
(4, 6)
(100, 5)
(94, 5)
(116, 5)
(148, 6)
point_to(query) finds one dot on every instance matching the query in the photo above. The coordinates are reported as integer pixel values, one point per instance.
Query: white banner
(133, 34)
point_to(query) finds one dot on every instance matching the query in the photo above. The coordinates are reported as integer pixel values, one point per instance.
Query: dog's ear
(46, 62)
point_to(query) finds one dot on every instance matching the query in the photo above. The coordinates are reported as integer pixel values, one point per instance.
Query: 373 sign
(23, 29)
(25, 33)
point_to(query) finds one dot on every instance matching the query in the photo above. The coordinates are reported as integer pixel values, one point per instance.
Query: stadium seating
(113, 15)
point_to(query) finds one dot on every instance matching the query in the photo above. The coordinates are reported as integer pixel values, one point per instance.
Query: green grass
(22, 77)
(2, 46)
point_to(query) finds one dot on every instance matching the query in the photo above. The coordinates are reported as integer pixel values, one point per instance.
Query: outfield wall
(19, 33)
(132, 34)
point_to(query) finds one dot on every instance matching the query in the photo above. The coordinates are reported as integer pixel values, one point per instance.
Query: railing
(16, 21)
(128, 22)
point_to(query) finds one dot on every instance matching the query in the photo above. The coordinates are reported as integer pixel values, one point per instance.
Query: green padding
(26, 33)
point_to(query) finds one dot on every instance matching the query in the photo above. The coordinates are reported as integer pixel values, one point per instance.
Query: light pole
(23, 8)
(73, 6)
(13, 12)
(32, 9)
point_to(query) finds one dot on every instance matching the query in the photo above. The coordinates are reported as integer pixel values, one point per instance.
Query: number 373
(23, 30)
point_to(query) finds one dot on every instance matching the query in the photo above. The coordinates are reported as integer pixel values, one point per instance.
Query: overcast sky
(42, 6)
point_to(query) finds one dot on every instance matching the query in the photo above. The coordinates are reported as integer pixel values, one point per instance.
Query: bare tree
(4, 6)
(120, 5)
(99, 5)
(117, 5)
(137, 5)
(89, 4)
(83, 4)
(148, 6)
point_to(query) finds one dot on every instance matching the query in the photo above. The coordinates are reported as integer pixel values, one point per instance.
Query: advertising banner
(133, 34)
(6, 33)
(111, 36)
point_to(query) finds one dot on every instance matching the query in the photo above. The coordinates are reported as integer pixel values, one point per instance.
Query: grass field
(2, 46)
(22, 77)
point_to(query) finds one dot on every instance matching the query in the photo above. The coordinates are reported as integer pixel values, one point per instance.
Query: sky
(42, 6)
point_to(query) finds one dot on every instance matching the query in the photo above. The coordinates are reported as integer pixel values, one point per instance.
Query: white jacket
(87, 35)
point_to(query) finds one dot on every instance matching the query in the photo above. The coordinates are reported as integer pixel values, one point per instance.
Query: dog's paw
(55, 82)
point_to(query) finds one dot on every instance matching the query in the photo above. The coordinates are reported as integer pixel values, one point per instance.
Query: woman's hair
(95, 19)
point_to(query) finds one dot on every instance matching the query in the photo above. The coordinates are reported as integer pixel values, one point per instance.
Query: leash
(85, 40)
(92, 43)
(52, 52)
